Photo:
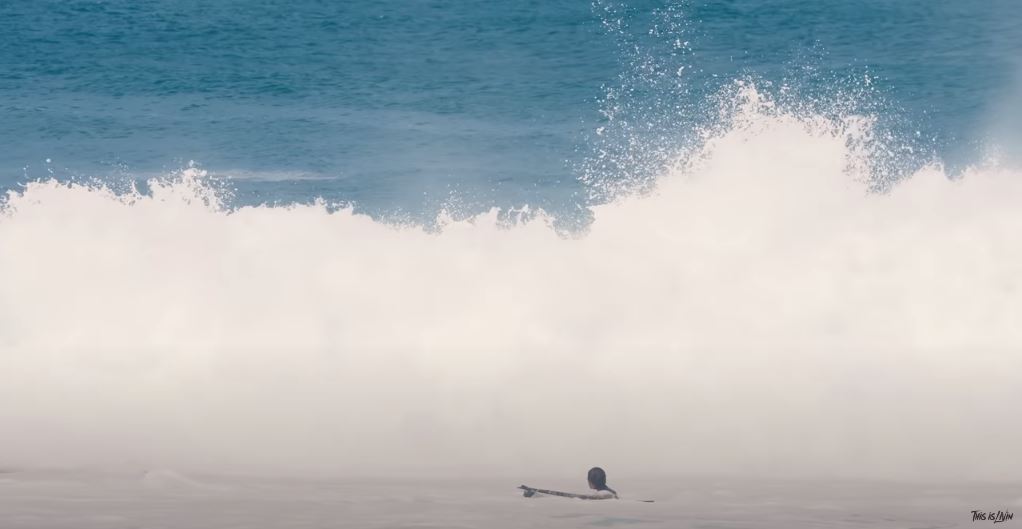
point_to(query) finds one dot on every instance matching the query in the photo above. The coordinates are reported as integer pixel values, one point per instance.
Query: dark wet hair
(598, 478)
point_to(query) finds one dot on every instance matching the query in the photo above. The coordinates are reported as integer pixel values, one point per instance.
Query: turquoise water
(407, 107)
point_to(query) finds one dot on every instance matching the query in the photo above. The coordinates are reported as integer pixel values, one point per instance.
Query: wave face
(402, 108)
(759, 311)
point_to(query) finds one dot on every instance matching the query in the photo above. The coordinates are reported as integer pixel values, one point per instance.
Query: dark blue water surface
(404, 107)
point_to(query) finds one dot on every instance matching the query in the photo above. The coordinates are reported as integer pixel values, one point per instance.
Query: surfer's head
(597, 479)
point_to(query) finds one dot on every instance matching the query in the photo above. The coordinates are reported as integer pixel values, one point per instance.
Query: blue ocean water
(407, 107)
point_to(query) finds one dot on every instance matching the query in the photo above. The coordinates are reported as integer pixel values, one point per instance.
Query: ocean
(410, 108)
(421, 245)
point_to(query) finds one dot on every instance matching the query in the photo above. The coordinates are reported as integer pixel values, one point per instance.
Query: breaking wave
(760, 310)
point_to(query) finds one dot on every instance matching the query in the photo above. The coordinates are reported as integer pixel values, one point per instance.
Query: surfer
(598, 482)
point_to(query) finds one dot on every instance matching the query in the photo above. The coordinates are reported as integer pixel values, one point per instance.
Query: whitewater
(758, 260)
(760, 312)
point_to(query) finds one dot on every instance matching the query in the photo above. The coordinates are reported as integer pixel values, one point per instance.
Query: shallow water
(164, 499)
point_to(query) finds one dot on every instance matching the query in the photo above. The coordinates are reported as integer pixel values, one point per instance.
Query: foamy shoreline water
(165, 499)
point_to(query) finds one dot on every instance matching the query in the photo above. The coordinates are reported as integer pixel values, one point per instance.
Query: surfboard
(530, 492)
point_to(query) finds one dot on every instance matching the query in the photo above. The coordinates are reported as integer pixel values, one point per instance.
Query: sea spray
(758, 311)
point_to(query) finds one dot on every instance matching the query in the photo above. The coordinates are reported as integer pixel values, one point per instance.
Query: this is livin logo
(991, 516)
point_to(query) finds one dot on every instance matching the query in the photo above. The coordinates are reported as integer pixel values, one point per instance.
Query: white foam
(759, 313)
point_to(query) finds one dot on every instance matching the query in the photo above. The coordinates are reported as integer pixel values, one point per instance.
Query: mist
(759, 312)
(1003, 129)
